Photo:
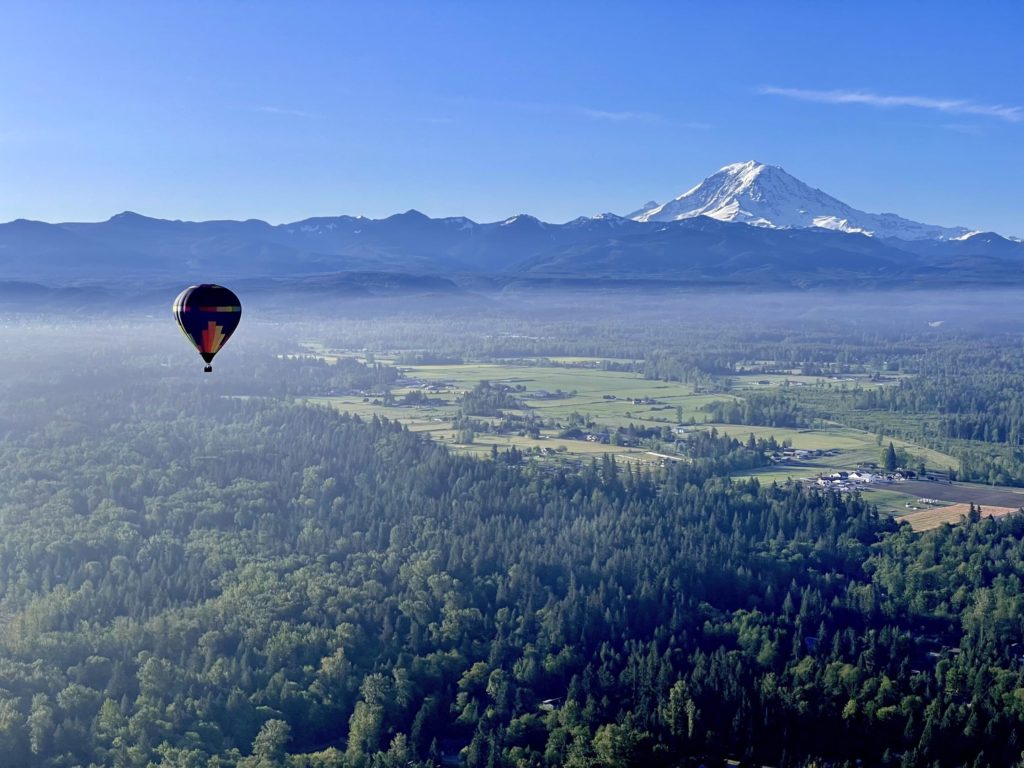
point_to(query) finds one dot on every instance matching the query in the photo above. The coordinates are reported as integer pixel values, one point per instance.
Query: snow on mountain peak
(747, 171)
(636, 215)
(522, 219)
(767, 196)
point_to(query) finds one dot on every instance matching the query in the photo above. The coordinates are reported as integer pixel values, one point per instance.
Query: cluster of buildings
(848, 481)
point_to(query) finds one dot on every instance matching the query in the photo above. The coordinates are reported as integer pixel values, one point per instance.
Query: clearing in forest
(558, 390)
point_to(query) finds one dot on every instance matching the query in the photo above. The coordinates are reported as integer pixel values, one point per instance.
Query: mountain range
(748, 224)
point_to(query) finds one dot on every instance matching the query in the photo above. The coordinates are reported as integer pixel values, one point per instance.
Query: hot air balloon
(207, 314)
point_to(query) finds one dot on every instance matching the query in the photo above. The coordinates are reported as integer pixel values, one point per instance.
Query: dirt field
(962, 493)
(926, 519)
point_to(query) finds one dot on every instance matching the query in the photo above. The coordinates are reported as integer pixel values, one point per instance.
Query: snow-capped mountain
(748, 224)
(766, 196)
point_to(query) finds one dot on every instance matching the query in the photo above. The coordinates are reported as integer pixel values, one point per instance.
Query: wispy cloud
(611, 116)
(283, 111)
(1010, 114)
(588, 112)
(615, 116)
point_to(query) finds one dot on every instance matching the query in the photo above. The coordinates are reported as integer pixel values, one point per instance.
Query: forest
(210, 572)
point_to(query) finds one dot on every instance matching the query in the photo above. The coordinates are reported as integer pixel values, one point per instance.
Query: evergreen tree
(889, 461)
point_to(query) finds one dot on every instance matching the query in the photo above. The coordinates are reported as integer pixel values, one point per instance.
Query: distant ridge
(747, 224)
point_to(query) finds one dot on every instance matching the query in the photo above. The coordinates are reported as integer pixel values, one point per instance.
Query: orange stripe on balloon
(213, 337)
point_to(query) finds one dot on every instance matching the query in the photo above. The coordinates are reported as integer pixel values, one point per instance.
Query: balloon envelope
(207, 314)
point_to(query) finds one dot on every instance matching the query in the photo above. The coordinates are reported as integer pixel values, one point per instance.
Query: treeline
(970, 404)
(487, 399)
(765, 410)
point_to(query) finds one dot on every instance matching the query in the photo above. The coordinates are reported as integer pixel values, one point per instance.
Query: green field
(607, 398)
(892, 501)
(855, 445)
(588, 384)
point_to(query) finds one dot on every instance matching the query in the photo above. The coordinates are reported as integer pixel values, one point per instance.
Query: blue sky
(282, 110)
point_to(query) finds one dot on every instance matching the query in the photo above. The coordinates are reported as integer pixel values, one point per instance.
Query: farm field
(890, 500)
(585, 390)
(857, 445)
(966, 493)
(578, 386)
(926, 519)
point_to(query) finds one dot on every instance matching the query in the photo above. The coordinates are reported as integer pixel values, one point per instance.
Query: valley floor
(557, 390)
